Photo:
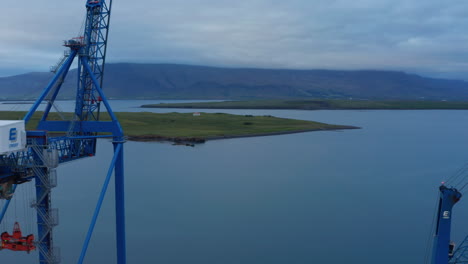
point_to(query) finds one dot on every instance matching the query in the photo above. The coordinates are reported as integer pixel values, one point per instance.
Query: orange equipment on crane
(17, 242)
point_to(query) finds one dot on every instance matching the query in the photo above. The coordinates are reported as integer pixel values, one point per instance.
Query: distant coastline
(320, 105)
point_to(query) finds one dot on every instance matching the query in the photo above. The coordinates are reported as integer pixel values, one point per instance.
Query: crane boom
(95, 46)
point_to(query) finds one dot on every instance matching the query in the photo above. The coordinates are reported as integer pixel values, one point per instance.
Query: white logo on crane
(446, 215)
(13, 138)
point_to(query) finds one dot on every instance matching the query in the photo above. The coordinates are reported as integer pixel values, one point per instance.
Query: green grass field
(206, 126)
(317, 104)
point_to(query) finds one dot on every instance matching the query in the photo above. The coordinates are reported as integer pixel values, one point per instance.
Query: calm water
(357, 196)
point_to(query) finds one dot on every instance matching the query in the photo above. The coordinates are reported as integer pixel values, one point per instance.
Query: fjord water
(354, 196)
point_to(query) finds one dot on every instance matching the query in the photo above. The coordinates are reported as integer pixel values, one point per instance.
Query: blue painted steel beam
(118, 132)
(83, 126)
(120, 204)
(85, 63)
(51, 84)
(89, 137)
(54, 96)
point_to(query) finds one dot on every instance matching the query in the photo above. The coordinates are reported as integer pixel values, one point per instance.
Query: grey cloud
(419, 36)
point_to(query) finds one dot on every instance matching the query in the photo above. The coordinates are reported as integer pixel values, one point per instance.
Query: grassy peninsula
(183, 127)
(318, 105)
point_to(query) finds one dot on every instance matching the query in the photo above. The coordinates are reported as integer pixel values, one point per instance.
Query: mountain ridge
(178, 81)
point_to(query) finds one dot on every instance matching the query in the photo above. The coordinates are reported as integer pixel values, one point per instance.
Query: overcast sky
(427, 37)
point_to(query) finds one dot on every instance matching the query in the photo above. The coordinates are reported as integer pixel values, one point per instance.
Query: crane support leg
(43, 231)
(440, 250)
(47, 217)
(117, 154)
(120, 204)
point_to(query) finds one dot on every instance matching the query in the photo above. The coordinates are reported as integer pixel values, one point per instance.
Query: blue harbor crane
(444, 251)
(34, 155)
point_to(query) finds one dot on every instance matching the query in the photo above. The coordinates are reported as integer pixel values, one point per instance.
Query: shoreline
(199, 140)
(188, 128)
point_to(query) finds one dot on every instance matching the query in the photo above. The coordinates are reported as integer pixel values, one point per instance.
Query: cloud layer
(427, 37)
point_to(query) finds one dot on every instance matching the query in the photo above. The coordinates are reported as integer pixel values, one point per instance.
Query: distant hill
(170, 81)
